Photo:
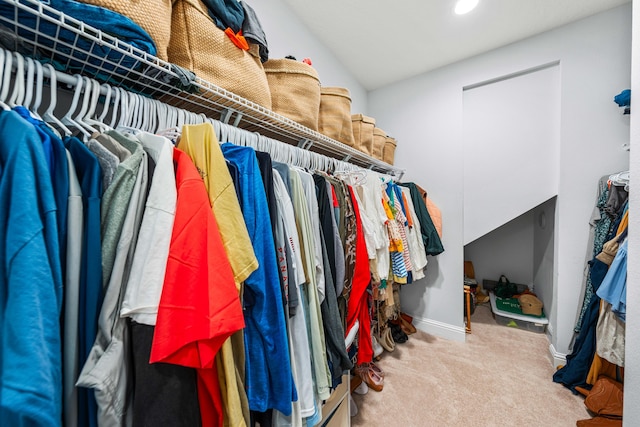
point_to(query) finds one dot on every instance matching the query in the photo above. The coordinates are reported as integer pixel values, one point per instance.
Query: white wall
(543, 255)
(506, 250)
(632, 360)
(425, 113)
(287, 35)
(511, 139)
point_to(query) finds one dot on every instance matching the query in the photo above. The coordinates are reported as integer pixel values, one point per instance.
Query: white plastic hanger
(48, 115)
(39, 84)
(85, 106)
(6, 78)
(116, 106)
(67, 119)
(28, 96)
(17, 96)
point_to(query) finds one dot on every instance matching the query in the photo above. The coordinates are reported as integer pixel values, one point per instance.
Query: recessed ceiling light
(465, 6)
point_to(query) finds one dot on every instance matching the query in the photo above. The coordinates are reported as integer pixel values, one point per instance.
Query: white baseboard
(556, 358)
(439, 329)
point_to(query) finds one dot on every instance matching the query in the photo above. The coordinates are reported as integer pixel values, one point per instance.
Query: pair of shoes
(398, 335)
(376, 369)
(370, 377)
(386, 340)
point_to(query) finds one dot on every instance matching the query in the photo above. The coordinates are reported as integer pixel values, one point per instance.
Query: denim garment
(575, 372)
(109, 22)
(268, 369)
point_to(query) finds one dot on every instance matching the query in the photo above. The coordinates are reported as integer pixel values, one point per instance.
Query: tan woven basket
(363, 132)
(154, 16)
(334, 120)
(295, 90)
(198, 45)
(379, 139)
(530, 305)
(389, 151)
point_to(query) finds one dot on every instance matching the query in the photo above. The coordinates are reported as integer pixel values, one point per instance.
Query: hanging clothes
(268, 368)
(30, 276)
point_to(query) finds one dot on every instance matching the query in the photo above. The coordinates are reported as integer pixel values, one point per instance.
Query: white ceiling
(383, 41)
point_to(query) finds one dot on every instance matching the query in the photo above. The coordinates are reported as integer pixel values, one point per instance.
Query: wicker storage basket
(363, 132)
(334, 120)
(389, 150)
(295, 90)
(530, 305)
(198, 45)
(154, 16)
(379, 139)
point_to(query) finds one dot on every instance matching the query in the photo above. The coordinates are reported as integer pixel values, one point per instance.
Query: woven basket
(295, 90)
(389, 150)
(379, 139)
(198, 45)
(154, 16)
(363, 132)
(530, 305)
(334, 120)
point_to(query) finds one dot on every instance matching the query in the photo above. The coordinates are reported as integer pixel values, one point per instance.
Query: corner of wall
(440, 329)
(556, 358)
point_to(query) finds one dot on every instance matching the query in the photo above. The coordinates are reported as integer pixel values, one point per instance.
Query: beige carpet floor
(501, 377)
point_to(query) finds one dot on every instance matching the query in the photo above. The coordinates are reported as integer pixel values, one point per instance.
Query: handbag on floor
(504, 288)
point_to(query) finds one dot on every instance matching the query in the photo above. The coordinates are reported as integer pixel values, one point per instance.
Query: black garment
(253, 32)
(432, 242)
(235, 177)
(266, 171)
(332, 324)
(151, 168)
(165, 394)
(325, 210)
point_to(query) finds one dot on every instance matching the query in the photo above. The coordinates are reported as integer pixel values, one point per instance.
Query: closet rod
(281, 151)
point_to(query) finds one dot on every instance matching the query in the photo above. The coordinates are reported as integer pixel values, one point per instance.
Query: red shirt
(199, 307)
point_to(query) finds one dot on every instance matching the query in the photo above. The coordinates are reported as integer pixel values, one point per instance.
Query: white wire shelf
(71, 45)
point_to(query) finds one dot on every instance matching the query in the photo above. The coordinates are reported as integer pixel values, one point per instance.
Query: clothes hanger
(94, 98)
(67, 119)
(6, 79)
(85, 108)
(99, 121)
(48, 115)
(39, 84)
(18, 85)
(116, 106)
(29, 85)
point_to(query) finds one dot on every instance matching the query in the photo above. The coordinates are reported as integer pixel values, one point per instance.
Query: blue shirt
(56, 157)
(269, 380)
(90, 302)
(30, 281)
(613, 288)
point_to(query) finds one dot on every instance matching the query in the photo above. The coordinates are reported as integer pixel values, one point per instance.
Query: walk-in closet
(285, 213)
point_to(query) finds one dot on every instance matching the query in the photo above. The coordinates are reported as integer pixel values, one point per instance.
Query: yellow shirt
(201, 144)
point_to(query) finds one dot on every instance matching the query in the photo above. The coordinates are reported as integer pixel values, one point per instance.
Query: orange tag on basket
(237, 39)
